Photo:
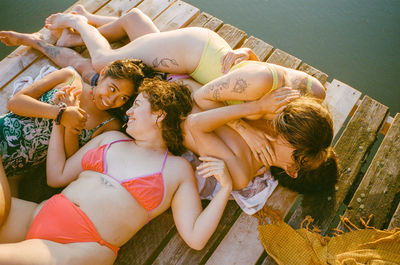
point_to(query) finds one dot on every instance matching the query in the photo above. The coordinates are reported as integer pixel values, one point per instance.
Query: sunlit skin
(112, 93)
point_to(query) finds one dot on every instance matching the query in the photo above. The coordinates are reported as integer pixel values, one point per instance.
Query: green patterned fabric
(24, 140)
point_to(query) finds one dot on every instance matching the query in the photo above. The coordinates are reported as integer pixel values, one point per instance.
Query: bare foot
(80, 10)
(62, 20)
(69, 38)
(12, 38)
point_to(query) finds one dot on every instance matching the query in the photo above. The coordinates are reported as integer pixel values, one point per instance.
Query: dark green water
(354, 41)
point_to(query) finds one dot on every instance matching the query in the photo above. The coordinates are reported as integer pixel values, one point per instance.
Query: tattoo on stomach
(106, 182)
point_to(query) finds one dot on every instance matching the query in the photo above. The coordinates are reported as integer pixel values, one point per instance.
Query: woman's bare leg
(133, 24)
(166, 51)
(60, 55)
(43, 252)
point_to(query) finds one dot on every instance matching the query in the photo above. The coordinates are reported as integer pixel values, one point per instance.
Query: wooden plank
(23, 56)
(242, 242)
(206, 21)
(381, 182)
(153, 8)
(354, 145)
(237, 241)
(146, 243)
(321, 76)
(119, 7)
(262, 49)
(340, 99)
(233, 36)
(32, 71)
(285, 59)
(177, 252)
(395, 221)
(176, 16)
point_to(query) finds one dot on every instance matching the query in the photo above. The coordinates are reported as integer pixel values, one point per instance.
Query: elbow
(197, 245)
(54, 182)
(11, 104)
(240, 184)
(192, 122)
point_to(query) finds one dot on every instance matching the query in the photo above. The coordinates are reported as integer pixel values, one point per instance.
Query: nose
(129, 112)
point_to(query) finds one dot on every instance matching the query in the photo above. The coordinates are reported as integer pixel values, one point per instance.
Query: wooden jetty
(367, 185)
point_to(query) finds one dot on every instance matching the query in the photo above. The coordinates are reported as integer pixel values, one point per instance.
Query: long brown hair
(307, 125)
(174, 101)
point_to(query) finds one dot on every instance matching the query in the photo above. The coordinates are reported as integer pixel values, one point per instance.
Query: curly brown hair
(174, 100)
(131, 69)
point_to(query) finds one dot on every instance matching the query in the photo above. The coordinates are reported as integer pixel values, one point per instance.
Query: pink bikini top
(148, 190)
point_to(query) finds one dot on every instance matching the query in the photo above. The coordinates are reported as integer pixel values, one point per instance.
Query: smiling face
(141, 118)
(112, 93)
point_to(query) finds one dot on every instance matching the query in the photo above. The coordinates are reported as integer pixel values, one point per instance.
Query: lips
(105, 104)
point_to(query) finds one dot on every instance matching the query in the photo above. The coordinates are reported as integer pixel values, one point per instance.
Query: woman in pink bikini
(134, 179)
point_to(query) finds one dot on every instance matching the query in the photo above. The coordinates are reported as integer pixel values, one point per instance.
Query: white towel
(27, 80)
(250, 199)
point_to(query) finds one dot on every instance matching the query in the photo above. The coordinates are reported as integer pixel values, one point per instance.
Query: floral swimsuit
(24, 140)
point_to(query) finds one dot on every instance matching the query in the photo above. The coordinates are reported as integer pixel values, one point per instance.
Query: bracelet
(61, 108)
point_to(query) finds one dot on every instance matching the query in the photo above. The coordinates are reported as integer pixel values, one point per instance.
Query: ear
(102, 72)
(160, 116)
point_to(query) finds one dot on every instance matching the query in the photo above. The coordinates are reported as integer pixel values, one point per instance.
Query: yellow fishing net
(306, 246)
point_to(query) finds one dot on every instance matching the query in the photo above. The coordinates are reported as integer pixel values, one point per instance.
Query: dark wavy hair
(174, 100)
(133, 70)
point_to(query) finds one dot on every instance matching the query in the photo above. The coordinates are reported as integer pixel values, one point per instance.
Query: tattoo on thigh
(165, 62)
(217, 87)
(50, 50)
(240, 86)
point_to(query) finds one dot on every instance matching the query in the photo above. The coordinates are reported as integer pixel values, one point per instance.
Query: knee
(99, 62)
(132, 15)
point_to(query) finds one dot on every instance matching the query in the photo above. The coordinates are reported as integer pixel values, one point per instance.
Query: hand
(260, 146)
(274, 102)
(234, 57)
(70, 95)
(74, 118)
(211, 166)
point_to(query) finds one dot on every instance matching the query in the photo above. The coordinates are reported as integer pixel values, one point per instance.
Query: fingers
(210, 167)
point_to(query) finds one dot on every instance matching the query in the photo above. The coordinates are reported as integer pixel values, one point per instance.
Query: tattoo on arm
(237, 124)
(164, 62)
(216, 88)
(240, 86)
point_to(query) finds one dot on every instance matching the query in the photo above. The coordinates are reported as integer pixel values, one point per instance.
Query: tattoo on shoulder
(164, 62)
(239, 86)
(217, 87)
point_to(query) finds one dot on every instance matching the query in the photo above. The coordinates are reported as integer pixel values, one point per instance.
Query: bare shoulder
(178, 166)
(110, 136)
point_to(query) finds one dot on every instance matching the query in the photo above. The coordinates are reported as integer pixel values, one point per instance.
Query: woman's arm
(5, 195)
(26, 101)
(60, 170)
(195, 225)
(246, 83)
